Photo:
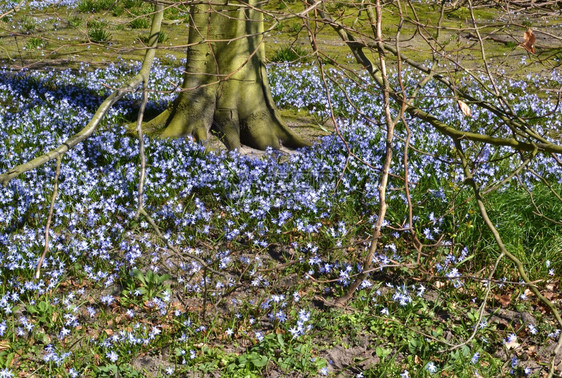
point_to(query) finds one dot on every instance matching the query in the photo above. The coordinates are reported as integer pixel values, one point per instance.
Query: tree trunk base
(225, 89)
(259, 130)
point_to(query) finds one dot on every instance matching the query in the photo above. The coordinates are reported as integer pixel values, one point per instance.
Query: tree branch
(101, 111)
(49, 218)
(357, 47)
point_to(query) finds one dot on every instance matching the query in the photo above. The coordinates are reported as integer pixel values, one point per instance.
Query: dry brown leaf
(505, 300)
(93, 333)
(464, 108)
(108, 332)
(4, 345)
(529, 43)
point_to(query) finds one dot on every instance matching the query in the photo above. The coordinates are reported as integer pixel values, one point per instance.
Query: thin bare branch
(49, 218)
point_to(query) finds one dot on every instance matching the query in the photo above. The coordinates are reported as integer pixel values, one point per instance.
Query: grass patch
(35, 43)
(162, 37)
(99, 34)
(289, 54)
(139, 23)
(93, 6)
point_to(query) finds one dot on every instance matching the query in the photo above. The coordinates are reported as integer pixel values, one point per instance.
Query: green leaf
(162, 278)
(138, 275)
(258, 360)
(281, 341)
(382, 352)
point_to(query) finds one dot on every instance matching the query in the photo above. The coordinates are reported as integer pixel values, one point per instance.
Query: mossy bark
(225, 88)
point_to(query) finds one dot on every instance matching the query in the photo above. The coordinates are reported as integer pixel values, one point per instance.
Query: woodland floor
(352, 350)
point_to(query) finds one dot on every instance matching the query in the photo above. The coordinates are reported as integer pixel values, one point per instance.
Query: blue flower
(431, 368)
(112, 356)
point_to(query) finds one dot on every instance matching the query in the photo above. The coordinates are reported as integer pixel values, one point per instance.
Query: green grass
(93, 6)
(162, 37)
(533, 238)
(139, 23)
(127, 11)
(35, 43)
(99, 34)
(289, 54)
(29, 24)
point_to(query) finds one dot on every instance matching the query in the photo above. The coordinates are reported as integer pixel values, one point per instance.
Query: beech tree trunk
(225, 88)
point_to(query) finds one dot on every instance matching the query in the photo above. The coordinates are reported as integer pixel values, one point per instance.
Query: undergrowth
(265, 244)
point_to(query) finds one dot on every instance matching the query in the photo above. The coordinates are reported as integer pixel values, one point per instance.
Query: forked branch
(376, 23)
(532, 143)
